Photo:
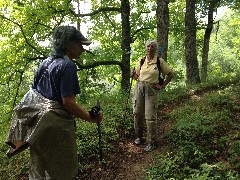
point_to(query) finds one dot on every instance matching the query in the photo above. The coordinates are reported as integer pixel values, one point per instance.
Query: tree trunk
(192, 71)
(162, 26)
(207, 35)
(125, 14)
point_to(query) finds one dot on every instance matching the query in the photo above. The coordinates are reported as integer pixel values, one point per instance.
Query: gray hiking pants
(145, 103)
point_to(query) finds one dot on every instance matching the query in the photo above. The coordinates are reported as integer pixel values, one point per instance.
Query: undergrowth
(204, 140)
(202, 137)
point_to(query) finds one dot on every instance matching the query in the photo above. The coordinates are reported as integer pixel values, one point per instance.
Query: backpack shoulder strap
(142, 61)
(158, 64)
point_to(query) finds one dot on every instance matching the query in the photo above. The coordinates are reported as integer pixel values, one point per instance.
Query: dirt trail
(133, 161)
(128, 161)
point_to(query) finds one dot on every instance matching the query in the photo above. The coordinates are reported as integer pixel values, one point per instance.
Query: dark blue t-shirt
(56, 78)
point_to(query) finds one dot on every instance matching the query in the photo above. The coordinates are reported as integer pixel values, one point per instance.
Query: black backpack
(160, 78)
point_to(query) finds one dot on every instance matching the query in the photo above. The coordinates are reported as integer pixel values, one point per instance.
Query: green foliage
(16, 166)
(26, 28)
(204, 140)
(166, 167)
(224, 54)
(169, 167)
(233, 154)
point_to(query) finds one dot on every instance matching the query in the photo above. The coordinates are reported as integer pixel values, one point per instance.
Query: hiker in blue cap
(44, 120)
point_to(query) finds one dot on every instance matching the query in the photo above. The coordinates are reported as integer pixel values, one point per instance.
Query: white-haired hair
(153, 42)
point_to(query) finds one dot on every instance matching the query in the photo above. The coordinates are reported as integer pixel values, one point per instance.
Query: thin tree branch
(24, 36)
(106, 15)
(104, 9)
(95, 64)
(138, 31)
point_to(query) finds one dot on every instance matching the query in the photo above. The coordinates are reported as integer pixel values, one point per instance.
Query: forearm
(78, 111)
(165, 83)
(75, 109)
(135, 76)
(168, 79)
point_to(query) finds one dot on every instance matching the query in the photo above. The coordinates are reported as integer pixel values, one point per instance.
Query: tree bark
(192, 70)
(126, 40)
(162, 14)
(207, 35)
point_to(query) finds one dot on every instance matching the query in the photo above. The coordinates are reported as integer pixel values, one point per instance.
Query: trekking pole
(94, 111)
(128, 96)
(100, 148)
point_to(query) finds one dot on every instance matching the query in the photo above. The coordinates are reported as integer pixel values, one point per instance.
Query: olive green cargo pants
(37, 166)
(145, 104)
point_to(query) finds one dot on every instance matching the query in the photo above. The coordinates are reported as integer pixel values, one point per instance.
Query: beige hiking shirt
(149, 72)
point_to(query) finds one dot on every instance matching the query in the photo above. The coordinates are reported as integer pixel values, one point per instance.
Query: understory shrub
(204, 142)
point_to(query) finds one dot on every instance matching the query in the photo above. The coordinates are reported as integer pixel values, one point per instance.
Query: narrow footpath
(129, 161)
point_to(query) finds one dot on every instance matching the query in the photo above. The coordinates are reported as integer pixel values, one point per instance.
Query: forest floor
(129, 161)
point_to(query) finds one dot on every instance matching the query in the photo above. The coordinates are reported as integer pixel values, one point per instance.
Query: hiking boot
(138, 141)
(149, 148)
